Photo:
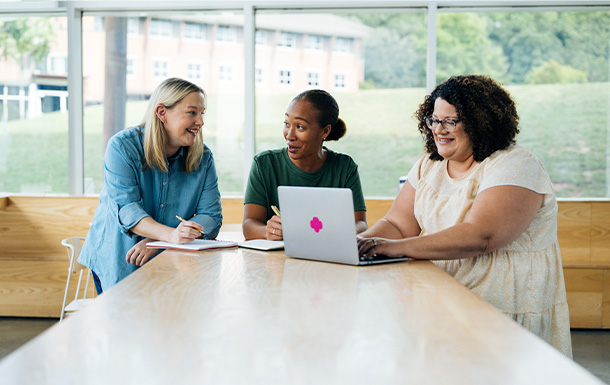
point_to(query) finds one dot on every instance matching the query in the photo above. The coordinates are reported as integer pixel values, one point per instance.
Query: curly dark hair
(485, 108)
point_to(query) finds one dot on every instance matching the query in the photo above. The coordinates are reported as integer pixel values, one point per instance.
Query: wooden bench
(34, 265)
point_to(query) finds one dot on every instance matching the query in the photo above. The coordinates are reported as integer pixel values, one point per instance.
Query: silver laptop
(318, 224)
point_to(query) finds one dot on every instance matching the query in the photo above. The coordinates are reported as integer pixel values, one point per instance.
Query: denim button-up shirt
(130, 194)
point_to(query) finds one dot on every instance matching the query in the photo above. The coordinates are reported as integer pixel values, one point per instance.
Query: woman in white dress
(481, 207)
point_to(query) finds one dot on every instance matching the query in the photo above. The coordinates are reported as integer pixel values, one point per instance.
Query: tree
(395, 54)
(25, 35)
(463, 47)
(552, 72)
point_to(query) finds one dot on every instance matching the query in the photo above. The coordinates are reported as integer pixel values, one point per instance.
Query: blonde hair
(168, 94)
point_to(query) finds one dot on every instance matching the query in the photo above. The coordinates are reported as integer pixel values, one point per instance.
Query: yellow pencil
(276, 211)
(184, 220)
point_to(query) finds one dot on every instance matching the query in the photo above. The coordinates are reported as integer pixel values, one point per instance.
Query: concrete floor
(591, 348)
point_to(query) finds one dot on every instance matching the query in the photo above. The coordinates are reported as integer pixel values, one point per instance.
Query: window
(193, 71)
(58, 65)
(160, 28)
(225, 73)
(313, 42)
(313, 79)
(133, 26)
(339, 81)
(285, 77)
(130, 67)
(193, 31)
(33, 107)
(149, 63)
(286, 39)
(225, 34)
(258, 75)
(342, 45)
(262, 37)
(160, 69)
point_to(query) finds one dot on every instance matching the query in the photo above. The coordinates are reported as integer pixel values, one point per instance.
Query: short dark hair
(328, 111)
(485, 108)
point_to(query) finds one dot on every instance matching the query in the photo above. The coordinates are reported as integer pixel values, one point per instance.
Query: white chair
(74, 245)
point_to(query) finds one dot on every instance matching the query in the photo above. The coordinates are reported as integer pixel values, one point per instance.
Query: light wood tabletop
(239, 316)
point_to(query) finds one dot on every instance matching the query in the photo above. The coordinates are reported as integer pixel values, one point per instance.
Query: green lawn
(566, 126)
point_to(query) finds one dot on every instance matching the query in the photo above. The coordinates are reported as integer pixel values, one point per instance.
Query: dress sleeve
(122, 186)
(517, 167)
(415, 172)
(209, 210)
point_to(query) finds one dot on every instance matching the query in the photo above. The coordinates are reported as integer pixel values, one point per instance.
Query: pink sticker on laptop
(316, 224)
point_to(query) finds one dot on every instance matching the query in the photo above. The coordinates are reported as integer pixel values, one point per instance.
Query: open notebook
(196, 245)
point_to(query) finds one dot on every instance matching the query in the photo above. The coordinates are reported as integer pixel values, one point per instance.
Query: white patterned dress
(523, 279)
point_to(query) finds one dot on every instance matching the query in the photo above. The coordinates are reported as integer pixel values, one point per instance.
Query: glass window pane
(176, 45)
(33, 105)
(372, 63)
(555, 64)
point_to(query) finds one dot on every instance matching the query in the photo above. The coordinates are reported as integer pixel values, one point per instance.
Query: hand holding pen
(190, 225)
(274, 226)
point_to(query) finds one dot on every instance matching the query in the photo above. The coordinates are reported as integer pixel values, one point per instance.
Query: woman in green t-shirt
(311, 118)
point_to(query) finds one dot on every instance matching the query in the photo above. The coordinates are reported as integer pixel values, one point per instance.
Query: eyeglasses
(449, 125)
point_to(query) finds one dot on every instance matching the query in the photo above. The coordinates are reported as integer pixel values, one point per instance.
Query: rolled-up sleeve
(122, 186)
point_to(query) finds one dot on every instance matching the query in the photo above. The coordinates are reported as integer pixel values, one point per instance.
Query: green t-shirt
(273, 168)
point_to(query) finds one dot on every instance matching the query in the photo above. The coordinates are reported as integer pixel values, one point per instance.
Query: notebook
(196, 245)
(318, 224)
(262, 244)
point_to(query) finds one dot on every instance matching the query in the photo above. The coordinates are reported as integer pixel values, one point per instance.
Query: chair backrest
(74, 246)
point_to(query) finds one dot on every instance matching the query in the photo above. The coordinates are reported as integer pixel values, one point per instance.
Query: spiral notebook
(196, 245)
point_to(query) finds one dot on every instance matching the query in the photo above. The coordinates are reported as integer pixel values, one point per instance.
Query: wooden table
(238, 316)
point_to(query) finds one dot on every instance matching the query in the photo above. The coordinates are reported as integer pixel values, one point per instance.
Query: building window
(193, 31)
(342, 44)
(286, 39)
(313, 42)
(225, 33)
(160, 28)
(129, 70)
(160, 68)
(133, 24)
(57, 65)
(339, 81)
(262, 37)
(285, 77)
(225, 73)
(193, 71)
(313, 79)
(258, 75)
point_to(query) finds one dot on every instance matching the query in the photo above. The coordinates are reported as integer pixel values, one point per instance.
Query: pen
(183, 220)
(276, 211)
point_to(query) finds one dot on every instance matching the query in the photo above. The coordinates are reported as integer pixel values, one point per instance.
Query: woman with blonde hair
(154, 174)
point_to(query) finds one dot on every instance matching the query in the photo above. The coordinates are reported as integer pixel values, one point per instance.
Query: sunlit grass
(566, 126)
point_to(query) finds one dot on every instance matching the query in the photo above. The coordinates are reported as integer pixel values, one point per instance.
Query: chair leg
(63, 306)
(80, 277)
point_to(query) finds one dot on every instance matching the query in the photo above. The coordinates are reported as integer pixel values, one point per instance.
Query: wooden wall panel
(574, 232)
(33, 264)
(585, 297)
(600, 233)
(35, 288)
(33, 227)
(606, 300)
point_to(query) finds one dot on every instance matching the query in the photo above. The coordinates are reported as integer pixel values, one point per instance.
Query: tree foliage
(25, 35)
(513, 47)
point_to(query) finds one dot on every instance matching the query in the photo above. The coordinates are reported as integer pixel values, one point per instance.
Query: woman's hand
(367, 247)
(274, 229)
(139, 254)
(186, 232)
